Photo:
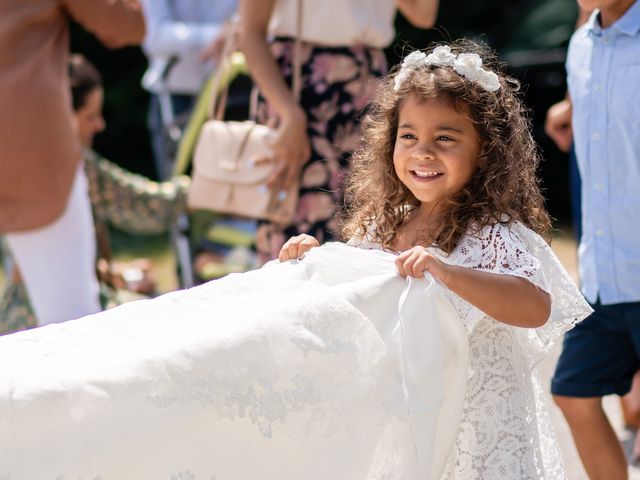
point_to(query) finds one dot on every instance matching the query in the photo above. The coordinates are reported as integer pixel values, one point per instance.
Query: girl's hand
(291, 149)
(297, 246)
(417, 260)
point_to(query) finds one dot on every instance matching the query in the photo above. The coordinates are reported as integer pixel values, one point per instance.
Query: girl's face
(436, 150)
(89, 120)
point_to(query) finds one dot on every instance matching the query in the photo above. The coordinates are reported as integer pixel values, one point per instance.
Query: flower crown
(469, 65)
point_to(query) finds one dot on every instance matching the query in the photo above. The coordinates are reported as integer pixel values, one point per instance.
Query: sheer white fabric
(506, 431)
(329, 368)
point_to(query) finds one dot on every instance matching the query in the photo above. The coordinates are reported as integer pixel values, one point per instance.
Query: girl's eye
(444, 138)
(408, 136)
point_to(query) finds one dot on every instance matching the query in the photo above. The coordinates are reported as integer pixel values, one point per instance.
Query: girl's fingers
(400, 266)
(403, 263)
(411, 265)
(293, 250)
(288, 249)
(284, 252)
(309, 242)
(420, 266)
(306, 243)
(297, 246)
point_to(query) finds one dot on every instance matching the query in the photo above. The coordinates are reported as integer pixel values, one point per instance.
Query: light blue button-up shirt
(603, 67)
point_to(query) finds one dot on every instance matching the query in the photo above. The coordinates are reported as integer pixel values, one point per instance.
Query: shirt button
(595, 136)
(599, 186)
(600, 232)
(605, 40)
(598, 88)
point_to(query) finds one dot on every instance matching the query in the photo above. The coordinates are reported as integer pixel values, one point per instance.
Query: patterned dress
(337, 83)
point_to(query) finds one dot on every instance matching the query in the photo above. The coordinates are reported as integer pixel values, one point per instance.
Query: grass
(157, 248)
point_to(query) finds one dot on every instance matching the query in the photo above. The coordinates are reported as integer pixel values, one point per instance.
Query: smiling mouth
(425, 174)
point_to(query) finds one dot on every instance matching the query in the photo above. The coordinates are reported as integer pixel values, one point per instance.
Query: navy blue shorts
(601, 354)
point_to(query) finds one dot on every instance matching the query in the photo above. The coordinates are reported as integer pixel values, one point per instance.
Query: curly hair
(503, 188)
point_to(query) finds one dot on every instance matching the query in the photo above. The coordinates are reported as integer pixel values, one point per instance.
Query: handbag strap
(217, 108)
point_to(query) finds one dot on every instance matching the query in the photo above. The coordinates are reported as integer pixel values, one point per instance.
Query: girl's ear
(482, 157)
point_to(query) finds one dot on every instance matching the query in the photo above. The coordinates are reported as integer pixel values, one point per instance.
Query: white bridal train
(332, 367)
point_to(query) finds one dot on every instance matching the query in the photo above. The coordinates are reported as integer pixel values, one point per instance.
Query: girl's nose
(424, 153)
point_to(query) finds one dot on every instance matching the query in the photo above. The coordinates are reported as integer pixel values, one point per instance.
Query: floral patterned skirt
(337, 83)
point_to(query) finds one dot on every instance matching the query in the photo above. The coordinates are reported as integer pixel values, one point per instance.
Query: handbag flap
(226, 152)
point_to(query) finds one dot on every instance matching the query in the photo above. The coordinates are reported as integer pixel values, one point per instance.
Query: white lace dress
(506, 431)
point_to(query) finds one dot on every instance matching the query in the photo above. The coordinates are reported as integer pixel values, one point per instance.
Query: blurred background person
(342, 56)
(87, 97)
(45, 211)
(156, 205)
(183, 42)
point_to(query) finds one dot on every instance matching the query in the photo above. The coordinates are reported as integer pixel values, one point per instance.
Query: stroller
(207, 245)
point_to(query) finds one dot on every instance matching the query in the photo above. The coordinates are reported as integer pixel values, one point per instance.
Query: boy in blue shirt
(601, 355)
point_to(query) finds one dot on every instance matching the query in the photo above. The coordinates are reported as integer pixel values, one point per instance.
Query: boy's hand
(297, 246)
(558, 124)
(417, 260)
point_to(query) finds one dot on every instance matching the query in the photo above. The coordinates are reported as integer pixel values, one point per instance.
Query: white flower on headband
(469, 65)
(489, 81)
(410, 63)
(414, 59)
(441, 56)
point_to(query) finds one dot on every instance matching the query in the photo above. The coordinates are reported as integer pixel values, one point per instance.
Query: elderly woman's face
(89, 120)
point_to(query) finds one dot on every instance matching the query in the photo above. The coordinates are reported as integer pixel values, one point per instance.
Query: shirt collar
(628, 24)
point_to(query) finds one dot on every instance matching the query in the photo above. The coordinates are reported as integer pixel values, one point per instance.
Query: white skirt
(332, 367)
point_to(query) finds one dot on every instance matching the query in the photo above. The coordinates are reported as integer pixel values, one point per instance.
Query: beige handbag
(226, 177)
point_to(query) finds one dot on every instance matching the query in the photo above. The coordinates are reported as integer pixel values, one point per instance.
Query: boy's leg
(599, 358)
(598, 446)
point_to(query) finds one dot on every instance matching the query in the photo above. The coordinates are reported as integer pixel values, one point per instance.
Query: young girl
(446, 179)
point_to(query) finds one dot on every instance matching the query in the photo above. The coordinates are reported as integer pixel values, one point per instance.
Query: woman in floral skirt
(341, 57)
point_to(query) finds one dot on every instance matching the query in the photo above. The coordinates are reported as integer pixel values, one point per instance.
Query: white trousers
(57, 261)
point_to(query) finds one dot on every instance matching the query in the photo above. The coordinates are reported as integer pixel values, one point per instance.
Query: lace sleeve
(568, 306)
(518, 251)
